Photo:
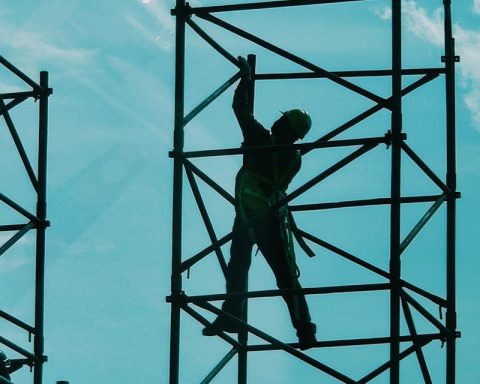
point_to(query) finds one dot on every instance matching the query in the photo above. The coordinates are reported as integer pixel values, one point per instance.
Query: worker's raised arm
(253, 132)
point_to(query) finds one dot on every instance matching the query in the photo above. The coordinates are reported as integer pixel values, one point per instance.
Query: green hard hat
(300, 121)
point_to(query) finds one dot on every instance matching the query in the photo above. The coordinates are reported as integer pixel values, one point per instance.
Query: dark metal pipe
(17, 322)
(365, 73)
(18, 349)
(19, 145)
(293, 58)
(206, 219)
(424, 167)
(176, 278)
(222, 363)
(16, 237)
(284, 147)
(284, 292)
(425, 313)
(18, 208)
(21, 95)
(287, 348)
(362, 203)
(436, 299)
(212, 42)
(261, 5)
(20, 74)
(41, 214)
(388, 364)
(451, 316)
(422, 222)
(352, 342)
(211, 98)
(416, 341)
(371, 111)
(395, 214)
(209, 182)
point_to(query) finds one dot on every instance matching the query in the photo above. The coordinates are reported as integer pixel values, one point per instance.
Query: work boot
(220, 325)
(306, 336)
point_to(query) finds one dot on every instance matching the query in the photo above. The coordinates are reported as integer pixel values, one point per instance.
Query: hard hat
(300, 121)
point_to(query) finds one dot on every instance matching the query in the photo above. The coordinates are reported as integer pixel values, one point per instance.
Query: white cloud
(430, 28)
(384, 13)
(31, 50)
(476, 6)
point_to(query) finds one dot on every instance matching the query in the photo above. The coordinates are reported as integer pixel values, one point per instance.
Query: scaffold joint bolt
(456, 59)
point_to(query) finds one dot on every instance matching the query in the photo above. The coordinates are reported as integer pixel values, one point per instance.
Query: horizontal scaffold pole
(364, 73)
(296, 59)
(260, 5)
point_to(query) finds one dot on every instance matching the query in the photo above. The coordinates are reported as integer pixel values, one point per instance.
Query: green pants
(268, 233)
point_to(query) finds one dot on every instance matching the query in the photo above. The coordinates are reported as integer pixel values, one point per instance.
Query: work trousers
(269, 235)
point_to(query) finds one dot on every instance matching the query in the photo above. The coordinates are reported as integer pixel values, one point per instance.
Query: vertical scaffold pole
(176, 278)
(40, 241)
(451, 317)
(243, 336)
(395, 265)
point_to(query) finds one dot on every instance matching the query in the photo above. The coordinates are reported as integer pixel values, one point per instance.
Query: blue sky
(111, 66)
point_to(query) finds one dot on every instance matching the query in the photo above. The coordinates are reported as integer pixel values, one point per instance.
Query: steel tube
(19, 145)
(287, 348)
(362, 203)
(293, 58)
(424, 167)
(212, 42)
(17, 322)
(20, 74)
(18, 208)
(353, 342)
(205, 103)
(415, 304)
(421, 223)
(42, 215)
(263, 5)
(222, 192)
(16, 237)
(206, 219)
(222, 363)
(416, 341)
(283, 147)
(365, 73)
(376, 108)
(388, 364)
(451, 316)
(395, 218)
(176, 278)
(284, 292)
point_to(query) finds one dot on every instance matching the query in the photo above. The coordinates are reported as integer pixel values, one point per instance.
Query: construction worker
(261, 182)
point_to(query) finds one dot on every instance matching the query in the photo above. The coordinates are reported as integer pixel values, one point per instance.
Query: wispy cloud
(476, 6)
(33, 49)
(384, 13)
(429, 27)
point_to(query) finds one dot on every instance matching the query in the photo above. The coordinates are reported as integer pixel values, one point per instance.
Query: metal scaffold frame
(400, 290)
(34, 221)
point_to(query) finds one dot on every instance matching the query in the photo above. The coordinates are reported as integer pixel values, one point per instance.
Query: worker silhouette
(261, 182)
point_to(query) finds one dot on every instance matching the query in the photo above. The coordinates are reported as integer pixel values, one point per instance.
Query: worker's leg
(238, 266)
(236, 278)
(272, 244)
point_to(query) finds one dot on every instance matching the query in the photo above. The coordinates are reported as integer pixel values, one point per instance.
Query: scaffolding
(402, 301)
(21, 217)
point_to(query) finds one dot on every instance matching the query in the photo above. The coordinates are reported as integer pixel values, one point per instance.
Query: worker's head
(293, 125)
